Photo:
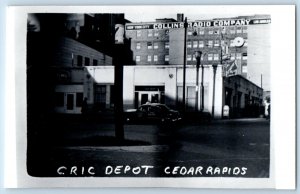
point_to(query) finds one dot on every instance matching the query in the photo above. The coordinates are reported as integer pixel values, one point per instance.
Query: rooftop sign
(198, 24)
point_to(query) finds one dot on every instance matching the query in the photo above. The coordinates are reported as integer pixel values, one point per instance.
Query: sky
(136, 17)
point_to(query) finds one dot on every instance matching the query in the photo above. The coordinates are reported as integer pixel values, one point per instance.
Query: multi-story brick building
(220, 41)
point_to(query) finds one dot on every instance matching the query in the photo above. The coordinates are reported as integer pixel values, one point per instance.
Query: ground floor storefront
(162, 84)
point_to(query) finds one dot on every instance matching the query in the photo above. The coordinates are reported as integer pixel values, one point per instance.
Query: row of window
(198, 31)
(211, 31)
(152, 33)
(211, 43)
(216, 57)
(208, 57)
(193, 44)
(60, 99)
(153, 45)
(85, 61)
(151, 58)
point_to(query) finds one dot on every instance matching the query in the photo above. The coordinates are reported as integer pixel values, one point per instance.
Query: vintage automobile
(152, 112)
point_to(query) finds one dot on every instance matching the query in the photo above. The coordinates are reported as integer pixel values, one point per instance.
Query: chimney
(180, 17)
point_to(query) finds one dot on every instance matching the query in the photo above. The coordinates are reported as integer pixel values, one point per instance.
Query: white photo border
(283, 121)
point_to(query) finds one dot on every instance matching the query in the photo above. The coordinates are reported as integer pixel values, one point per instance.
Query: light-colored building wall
(259, 54)
(170, 77)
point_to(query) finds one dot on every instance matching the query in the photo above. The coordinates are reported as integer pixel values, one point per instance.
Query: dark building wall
(71, 53)
(242, 96)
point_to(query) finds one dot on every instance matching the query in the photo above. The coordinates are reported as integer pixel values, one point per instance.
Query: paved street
(229, 148)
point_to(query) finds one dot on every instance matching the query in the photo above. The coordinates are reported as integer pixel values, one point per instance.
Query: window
(95, 62)
(189, 44)
(245, 29)
(138, 33)
(86, 61)
(79, 99)
(194, 57)
(195, 44)
(232, 30)
(189, 33)
(150, 33)
(149, 45)
(149, 58)
(167, 58)
(232, 56)
(189, 57)
(201, 32)
(137, 58)
(210, 31)
(238, 56)
(59, 99)
(210, 43)
(216, 57)
(156, 45)
(201, 44)
(216, 31)
(138, 45)
(238, 30)
(155, 58)
(100, 95)
(245, 56)
(244, 69)
(217, 43)
(210, 57)
(156, 33)
(167, 45)
(79, 60)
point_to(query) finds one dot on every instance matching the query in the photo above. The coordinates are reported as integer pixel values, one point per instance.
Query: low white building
(154, 84)
(164, 84)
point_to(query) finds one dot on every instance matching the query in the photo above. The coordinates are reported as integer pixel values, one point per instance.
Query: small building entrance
(152, 94)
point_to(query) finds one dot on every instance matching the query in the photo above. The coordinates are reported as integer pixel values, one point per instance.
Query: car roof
(153, 104)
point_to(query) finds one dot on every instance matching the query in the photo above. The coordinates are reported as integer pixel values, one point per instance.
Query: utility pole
(198, 58)
(214, 87)
(118, 58)
(184, 65)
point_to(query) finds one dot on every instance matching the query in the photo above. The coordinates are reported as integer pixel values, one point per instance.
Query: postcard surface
(151, 96)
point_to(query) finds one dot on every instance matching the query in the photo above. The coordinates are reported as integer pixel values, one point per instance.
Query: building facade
(163, 84)
(222, 41)
(70, 58)
(78, 70)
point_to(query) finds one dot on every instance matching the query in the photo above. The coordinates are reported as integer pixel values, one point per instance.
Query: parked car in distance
(152, 112)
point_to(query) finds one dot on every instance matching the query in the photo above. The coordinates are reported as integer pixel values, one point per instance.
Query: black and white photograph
(162, 94)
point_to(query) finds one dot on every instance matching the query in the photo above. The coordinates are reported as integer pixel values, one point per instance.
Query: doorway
(148, 96)
(70, 99)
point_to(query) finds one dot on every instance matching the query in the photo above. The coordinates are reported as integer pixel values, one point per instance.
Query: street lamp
(198, 58)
